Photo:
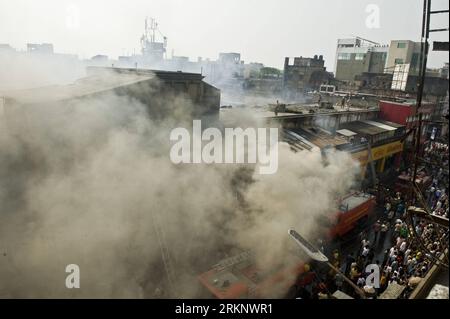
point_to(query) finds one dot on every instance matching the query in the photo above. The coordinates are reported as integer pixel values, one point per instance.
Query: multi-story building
(45, 48)
(304, 74)
(356, 56)
(41, 64)
(4, 47)
(364, 65)
(230, 58)
(156, 90)
(404, 52)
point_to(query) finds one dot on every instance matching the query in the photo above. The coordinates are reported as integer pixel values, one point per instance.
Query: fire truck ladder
(231, 261)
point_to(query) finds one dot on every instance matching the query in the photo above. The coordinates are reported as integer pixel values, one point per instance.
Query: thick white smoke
(92, 184)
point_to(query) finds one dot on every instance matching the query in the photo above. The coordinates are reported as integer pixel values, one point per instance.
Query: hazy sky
(261, 30)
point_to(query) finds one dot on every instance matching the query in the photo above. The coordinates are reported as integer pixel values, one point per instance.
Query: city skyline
(76, 27)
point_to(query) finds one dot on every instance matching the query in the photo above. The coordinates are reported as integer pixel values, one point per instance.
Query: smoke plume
(91, 183)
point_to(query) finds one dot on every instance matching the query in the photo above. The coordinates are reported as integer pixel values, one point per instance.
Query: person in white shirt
(407, 253)
(365, 242)
(403, 246)
(392, 251)
(365, 251)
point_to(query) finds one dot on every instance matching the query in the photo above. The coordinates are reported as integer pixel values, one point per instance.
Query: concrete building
(404, 52)
(405, 113)
(385, 143)
(356, 56)
(45, 48)
(36, 66)
(405, 85)
(100, 60)
(303, 74)
(162, 92)
(4, 47)
(363, 65)
(231, 58)
(348, 131)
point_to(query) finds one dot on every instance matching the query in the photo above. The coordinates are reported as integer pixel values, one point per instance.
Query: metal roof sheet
(346, 132)
(82, 87)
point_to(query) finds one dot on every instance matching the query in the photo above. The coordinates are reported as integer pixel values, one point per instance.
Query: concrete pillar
(383, 161)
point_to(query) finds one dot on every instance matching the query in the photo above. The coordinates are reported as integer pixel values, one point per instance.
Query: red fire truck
(354, 210)
(239, 277)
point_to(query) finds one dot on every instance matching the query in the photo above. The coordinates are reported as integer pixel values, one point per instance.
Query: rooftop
(318, 137)
(354, 200)
(409, 102)
(82, 87)
(370, 128)
(99, 79)
(163, 75)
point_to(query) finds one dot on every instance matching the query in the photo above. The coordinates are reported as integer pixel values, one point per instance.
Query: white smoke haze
(92, 183)
(20, 70)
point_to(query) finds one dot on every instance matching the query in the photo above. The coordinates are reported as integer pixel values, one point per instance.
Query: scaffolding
(425, 213)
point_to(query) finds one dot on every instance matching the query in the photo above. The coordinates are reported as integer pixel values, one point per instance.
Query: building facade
(164, 94)
(356, 56)
(404, 52)
(303, 74)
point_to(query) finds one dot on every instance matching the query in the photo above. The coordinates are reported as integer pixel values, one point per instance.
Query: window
(401, 45)
(360, 56)
(346, 45)
(344, 56)
(398, 61)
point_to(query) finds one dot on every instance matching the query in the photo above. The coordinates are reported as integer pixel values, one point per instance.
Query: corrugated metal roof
(297, 141)
(380, 125)
(99, 79)
(82, 87)
(363, 128)
(346, 132)
(396, 125)
(320, 138)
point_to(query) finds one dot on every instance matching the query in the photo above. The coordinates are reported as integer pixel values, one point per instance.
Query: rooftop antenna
(149, 36)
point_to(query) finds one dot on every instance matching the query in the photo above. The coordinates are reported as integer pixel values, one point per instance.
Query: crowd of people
(414, 247)
(437, 193)
(403, 248)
